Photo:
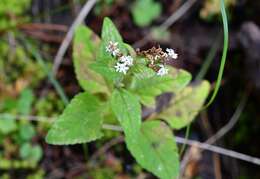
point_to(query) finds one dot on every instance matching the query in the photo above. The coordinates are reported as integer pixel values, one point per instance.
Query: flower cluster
(124, 61)
(157, 58)
(123, 64)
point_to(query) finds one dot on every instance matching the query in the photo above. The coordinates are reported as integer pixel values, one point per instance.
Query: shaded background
(33, 28)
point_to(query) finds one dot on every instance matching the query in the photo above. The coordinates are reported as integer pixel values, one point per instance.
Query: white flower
(162, 71)
(172, 53)
(121, 67)
(128, 60)
(112, 48)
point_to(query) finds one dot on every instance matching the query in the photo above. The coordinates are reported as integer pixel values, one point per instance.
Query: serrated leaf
(110, 34)
(145, 11)
(105, 62)
(153, 145)
(80, 122)
(181, 79)
(184, 107)
(85, 46)
(155, 149)
(147, 85)
(107, 71)
(127, 109)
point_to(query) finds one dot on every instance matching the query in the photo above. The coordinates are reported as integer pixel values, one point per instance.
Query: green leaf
(155, 149)
(7, 125)
(25, 101)
(181, 79)
(105, 62)
(147, 85)
(80, 122)
(29, 152)
(127, 109)
(110, 33)
(153, 145)
(26, 131)
(145, 11)
(85, 48)
(107, 71)
(184, 107)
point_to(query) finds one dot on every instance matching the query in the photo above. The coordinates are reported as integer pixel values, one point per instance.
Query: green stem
(187, 133)
(224, 54)
(52, 79)
(208, 62)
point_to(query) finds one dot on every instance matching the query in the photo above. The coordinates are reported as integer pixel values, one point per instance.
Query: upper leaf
(110, 34)
(185, 105)
(105, 62)
(80, 122)
(155, 149)
(147, 85)
(181, 79)
(84, 53)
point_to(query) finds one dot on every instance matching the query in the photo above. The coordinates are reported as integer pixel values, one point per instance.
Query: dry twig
(66, 42)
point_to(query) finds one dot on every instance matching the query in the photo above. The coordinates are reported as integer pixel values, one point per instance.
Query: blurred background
(31, 96)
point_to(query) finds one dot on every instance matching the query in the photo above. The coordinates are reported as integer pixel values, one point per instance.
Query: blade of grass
(208, 62)
(49, 73)
(224, 54)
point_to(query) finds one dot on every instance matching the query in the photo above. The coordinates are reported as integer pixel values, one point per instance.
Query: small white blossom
(172, 53)
(162, 71)
(112, 48)
(121, 67)
(128, 60)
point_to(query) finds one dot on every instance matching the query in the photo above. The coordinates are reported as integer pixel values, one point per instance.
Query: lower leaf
(80, 122)
(155, 149)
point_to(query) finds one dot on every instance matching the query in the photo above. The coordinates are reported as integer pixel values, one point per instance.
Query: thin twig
(106, 147)
(26, 117)
(180, 140)
(66, 42)
(225, 129)
(219, 150)
(169, 21)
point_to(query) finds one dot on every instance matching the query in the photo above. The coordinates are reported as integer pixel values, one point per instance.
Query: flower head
(162, 71)
(112, 48)
(171, 53)
(121, 67)
(127, 60)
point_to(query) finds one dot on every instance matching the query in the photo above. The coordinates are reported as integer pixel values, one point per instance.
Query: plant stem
(224, 54)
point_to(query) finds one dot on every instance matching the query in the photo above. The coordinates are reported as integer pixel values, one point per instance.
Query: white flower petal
(172, 53)
(128, 60)
(162, 71)
(121, 67)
